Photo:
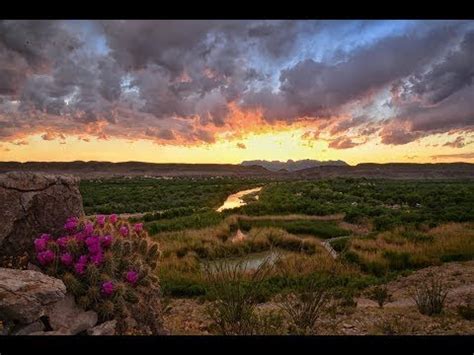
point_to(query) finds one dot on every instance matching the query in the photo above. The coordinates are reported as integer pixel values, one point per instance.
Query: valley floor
(398, 317)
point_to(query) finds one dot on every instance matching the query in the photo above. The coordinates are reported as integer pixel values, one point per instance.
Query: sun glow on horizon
(270, 145)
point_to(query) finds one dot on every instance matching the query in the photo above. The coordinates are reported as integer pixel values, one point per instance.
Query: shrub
(395, 325)
(466, 310)
(108, 265)
(305, 306)
(397, 260)
(236, 294)
(430, 296)
(380, 294)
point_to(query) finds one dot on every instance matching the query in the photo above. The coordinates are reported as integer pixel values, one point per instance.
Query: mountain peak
(292, 165)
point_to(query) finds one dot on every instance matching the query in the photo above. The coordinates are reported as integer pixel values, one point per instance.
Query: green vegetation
(194, 221)
(384, 202)
(122, 195)
(321, 229)
(405, 248)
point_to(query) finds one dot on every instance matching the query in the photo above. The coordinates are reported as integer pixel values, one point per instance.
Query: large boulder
(34, 203)
(25, 295)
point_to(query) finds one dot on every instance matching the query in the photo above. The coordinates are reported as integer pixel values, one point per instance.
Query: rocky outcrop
(32, 303)
(25, 294)
(34, 203)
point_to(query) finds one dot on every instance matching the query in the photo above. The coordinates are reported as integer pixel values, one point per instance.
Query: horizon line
(190, 163)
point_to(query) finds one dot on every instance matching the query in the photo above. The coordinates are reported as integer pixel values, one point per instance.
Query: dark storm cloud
(314, 89)
(179, 78)
(398, 136)
(452, 74)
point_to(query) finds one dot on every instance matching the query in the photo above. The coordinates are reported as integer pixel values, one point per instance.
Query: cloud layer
(185, 82)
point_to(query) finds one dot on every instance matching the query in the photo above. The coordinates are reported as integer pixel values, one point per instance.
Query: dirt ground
(400, 316)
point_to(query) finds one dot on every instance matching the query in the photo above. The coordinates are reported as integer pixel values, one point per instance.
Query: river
(235, 200)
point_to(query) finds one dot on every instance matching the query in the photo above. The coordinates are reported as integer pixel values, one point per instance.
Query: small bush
(397, 260)
(236, 294)
(304, 307)
(380, 294)
(466, 310)
(396, 325)
(430, 296)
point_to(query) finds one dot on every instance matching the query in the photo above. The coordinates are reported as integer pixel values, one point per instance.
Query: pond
(235, 200)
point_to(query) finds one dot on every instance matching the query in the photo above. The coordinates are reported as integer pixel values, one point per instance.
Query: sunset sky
(228, 91)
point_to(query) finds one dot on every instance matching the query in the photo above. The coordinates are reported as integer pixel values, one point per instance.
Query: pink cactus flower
(113, 218)
(138, 227)
(124, 231)
(62, 241)
(80, 237)
(88, 229)
(101, 220)
(71, 223)
(108, 288)
(66, 259)
(80, 268)
(93, 245)
(45, 236)
(131, 277)
(45, 257)
(40, 244)
(83, 259)
(97, 259)
(106, 241)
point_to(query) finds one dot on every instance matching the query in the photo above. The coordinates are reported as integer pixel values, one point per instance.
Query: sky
(199, 91)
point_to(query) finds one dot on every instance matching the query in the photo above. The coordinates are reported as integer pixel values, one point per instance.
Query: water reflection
(235, 200)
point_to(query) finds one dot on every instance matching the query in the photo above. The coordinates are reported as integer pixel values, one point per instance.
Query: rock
(30, 328)
(25, 294)
(34, 203)
(106, 328)
(55, 332)
(66, 316)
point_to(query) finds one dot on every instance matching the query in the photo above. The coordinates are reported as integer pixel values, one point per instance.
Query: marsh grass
(235, 293)
(404, 248)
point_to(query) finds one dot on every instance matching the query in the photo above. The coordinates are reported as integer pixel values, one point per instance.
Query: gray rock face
(65, 316)
(26, 294)
(34, 203)
(106, 328)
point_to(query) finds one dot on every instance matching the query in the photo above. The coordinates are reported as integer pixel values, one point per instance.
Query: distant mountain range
(292, 165)
(96, 169)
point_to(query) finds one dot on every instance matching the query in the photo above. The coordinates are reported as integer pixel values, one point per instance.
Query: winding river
(235, 200)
